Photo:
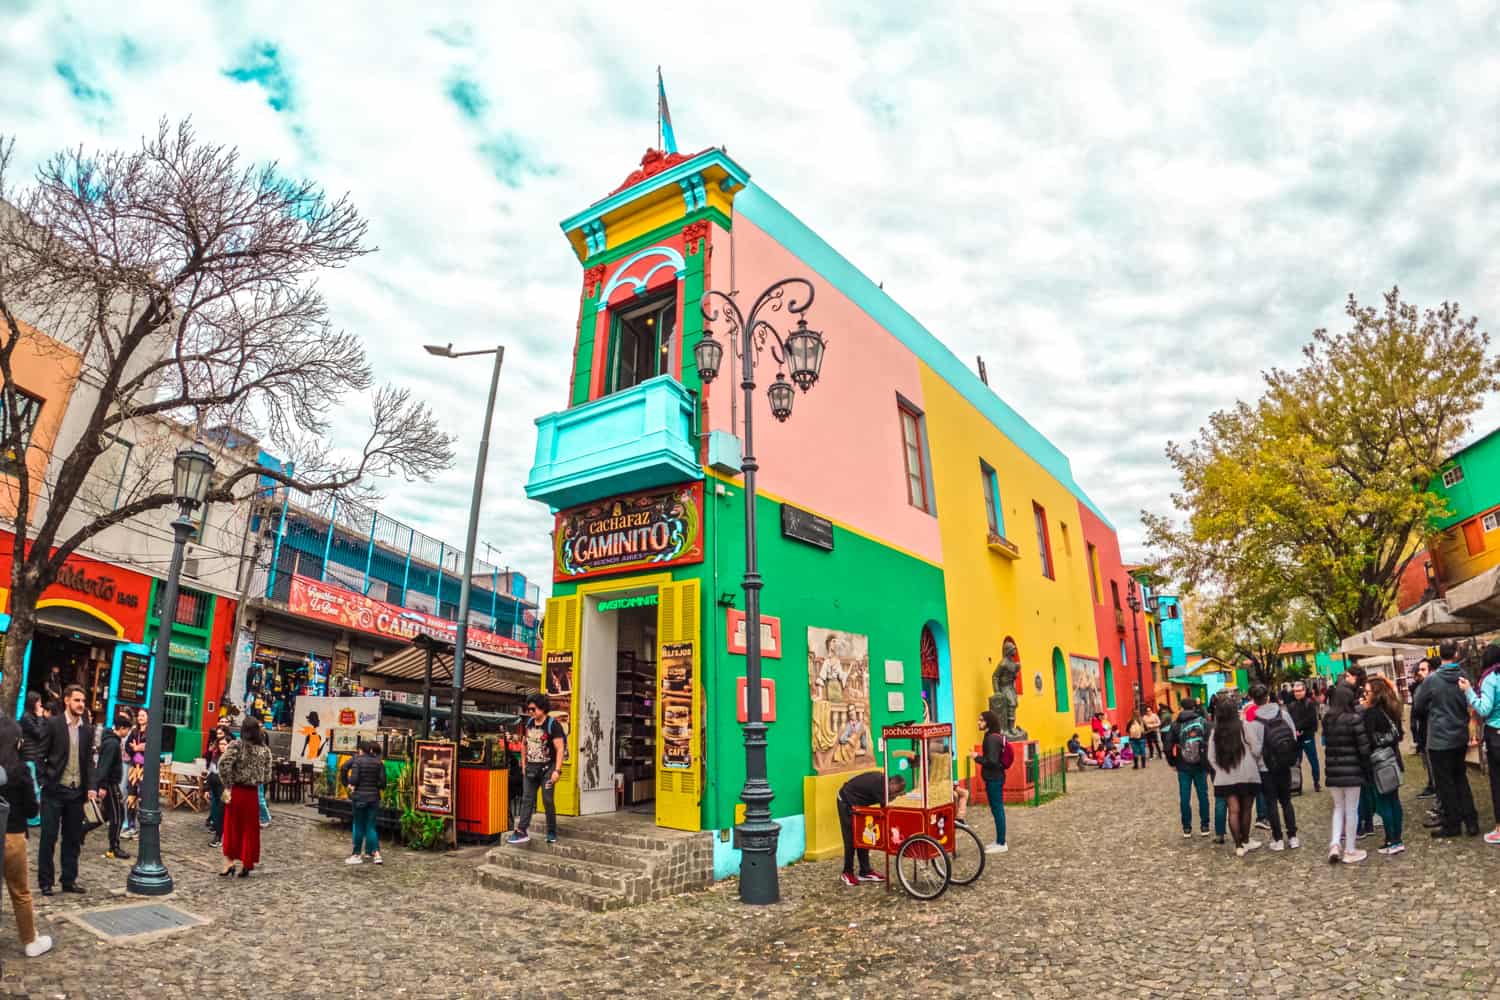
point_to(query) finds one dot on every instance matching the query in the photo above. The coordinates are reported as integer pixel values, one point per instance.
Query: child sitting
(1075, 749)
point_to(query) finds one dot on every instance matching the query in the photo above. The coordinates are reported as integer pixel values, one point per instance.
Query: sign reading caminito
(650, 530)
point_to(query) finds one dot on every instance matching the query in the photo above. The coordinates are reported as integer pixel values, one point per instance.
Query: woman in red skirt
(244, 766)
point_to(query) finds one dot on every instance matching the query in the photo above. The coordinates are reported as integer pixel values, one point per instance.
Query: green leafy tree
(1316, 493)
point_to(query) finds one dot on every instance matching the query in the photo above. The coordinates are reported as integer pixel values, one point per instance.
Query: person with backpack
(542, 739)
(995, 756)
(1383, 719)
(1346, 757)
(1279, 750)
(1234, 747)
(1186, 740)
(365, 776)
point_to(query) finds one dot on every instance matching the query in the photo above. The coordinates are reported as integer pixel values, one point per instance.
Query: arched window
(1060, 678)
(1109, 684)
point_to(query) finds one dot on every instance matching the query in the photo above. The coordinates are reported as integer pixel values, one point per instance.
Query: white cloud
(1128, 214)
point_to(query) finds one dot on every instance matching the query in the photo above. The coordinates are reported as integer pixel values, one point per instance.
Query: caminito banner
(650, 530)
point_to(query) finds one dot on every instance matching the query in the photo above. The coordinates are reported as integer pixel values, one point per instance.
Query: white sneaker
(1253, 845)
(1276, 845)
(1239, 852)
(39, 947)
(996, 849)
(1393, 849)
(1354, 857)
(1293, 843)
(354, 859)
(1187, 834)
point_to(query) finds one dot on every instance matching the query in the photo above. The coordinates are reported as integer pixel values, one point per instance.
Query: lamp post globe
(192, 472)
(781, 394)
(709, 354)
(804, 355)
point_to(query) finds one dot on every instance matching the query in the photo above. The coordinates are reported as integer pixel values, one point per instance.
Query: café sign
(650, 530)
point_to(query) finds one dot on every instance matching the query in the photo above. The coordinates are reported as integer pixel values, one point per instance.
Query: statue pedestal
(1018, 788)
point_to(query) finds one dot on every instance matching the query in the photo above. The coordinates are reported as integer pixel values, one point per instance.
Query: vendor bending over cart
(868, 789)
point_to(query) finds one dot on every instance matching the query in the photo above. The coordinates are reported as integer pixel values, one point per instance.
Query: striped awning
(483, 672)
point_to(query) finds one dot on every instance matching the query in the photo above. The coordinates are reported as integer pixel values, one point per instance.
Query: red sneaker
(871, 877)
(848, 879)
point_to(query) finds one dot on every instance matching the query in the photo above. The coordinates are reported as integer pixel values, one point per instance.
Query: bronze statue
(1004, 702)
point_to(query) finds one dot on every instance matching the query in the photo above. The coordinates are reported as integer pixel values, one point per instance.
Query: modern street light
(192, 471)
(1133, 599)
(800, 352)
(461, 630)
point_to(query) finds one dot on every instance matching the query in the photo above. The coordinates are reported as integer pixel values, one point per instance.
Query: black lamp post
(801, 353)
(191, 472)
(1133, 599)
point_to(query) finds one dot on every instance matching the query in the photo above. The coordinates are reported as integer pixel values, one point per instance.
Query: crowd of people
(1251, 752)
(1112, 747)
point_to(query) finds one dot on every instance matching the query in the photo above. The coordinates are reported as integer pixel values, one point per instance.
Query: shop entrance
(617, 712)
(622, 672)
(61, 658)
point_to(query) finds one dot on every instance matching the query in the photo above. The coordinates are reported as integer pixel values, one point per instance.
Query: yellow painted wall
(1455, 561)
(991, 597)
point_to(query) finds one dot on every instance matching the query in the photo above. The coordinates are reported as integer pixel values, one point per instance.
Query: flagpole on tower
(660, 92)
(666, 141)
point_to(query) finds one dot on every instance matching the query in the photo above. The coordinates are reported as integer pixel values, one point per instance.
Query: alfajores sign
(650, 530)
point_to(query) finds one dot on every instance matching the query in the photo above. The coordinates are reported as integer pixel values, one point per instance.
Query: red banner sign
(344, 607)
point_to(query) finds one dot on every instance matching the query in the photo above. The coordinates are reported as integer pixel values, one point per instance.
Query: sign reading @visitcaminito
(650, 530)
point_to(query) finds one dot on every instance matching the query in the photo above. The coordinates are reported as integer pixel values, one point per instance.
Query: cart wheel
(968, 855)
(923, 867)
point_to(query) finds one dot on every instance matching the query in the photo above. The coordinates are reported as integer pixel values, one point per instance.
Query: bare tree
(181, 283)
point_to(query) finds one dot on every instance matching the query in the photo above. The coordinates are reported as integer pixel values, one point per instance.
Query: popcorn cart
(919, 829)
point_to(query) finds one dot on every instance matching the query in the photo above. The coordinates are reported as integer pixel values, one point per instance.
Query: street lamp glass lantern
(709, 354)
(191, 472)
(804, 355)
(781, 395)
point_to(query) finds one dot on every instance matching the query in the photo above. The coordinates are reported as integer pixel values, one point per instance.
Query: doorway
(59, 659)
(617, 703)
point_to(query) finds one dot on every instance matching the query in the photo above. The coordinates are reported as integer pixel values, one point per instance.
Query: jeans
(366, 836)
(265, 812)
(1187, 780)
(1137, 753)
(846, 828)
(1453, 790)
(533, 781)
(36, 787)
(1221, 816)
(1391, 815)
(62, 812)
(1307, 747)
(1366, 809)
(216, 806)
(995, 792)
(1345, 816)
(1276, 788)
(1492, 751)
(1153, 743)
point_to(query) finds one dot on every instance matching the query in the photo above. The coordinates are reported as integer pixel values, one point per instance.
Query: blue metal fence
(355, 546)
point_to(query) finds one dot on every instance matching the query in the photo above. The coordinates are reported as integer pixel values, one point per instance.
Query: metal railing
(354, 546)
(1047, 773)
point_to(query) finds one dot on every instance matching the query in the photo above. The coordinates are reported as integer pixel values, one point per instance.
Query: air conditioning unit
(190, 567)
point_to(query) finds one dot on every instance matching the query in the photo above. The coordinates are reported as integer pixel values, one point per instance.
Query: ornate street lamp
(801, 353)
(192, 472)
(1133, 599)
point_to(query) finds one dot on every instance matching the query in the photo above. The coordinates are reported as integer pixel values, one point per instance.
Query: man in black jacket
(1304, 715)
(867, 789)
(1446, 709)
(107, 778)
(67, 780)
(1419, 728)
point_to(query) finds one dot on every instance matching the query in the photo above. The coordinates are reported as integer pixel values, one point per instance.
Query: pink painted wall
(840, 453)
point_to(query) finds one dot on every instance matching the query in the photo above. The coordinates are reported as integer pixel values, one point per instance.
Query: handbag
(1294, 779)
(1387, 769)
(93, 816)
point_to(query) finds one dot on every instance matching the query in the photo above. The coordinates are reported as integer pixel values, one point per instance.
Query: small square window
(1491, 521)
(15, 440)
(1452, 477)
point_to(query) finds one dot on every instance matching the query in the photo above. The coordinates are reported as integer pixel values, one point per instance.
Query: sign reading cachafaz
(647, 530)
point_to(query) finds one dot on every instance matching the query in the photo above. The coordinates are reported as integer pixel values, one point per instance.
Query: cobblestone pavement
(1099, 896)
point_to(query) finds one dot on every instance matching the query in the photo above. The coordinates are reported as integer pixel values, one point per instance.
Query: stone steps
(601, 863)
(533, 886)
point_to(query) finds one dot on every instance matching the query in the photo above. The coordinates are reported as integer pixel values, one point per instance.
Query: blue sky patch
(261, 64)
(468, 97)
(81, 88)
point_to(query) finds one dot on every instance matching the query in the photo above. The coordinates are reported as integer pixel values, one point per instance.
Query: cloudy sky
(1129, 210)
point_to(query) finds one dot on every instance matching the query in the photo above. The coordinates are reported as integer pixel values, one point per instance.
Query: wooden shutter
(679, 712)
(563, 627)
(1473, 536)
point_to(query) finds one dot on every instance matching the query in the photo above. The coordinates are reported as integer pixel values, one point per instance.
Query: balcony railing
(635, 439)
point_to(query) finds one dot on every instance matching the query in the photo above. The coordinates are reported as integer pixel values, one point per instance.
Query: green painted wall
(1480, 489)
(189, 742)
(861, 586)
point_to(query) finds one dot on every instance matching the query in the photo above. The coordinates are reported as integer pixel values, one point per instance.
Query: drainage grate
(125, 923)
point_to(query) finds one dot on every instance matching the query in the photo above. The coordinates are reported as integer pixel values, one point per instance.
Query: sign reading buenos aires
(649, 530)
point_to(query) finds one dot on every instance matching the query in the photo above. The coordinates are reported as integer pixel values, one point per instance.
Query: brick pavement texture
(1099, 897)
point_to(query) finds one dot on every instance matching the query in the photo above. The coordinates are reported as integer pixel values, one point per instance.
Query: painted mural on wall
(655, 529)
(1086, 700)
(838, 676)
